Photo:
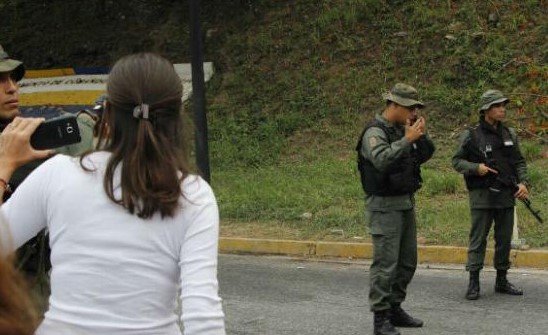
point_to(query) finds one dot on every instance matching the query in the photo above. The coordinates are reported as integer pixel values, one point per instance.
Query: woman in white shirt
(128, 223)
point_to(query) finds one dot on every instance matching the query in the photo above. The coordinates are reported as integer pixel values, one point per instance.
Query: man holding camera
(33, 256)
(495, 173)
(11, 72)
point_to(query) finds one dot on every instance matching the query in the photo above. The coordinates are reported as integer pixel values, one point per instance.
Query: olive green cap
(11, 65)
(404, 95)
(491, 97)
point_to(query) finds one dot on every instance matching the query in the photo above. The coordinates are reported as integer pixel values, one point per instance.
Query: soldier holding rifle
(495, 173)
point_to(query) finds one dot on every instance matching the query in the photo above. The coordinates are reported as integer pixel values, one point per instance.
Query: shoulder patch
(373, 141)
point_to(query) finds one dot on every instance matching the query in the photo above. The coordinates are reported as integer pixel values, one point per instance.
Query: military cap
(11, 65)
(404, 95)
(491, 97)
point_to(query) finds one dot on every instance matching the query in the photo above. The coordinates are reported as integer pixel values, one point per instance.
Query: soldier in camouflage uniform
(495, 173)
(33, 256)
(390, 151)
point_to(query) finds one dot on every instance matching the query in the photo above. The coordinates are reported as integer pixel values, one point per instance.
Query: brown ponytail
(151, 151)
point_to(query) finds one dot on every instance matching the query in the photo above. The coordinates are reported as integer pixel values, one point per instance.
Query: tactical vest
(494, 148)
(401, 177)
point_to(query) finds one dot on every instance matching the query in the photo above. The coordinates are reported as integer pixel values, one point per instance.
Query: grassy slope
(295, 82)
(300, 78)
(304, 68)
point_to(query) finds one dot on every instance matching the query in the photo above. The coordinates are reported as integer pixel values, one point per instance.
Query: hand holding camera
(15, 147)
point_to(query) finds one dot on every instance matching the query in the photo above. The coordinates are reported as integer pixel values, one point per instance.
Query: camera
(56, 132)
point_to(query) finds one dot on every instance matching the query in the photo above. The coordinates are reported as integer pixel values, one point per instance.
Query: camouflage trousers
(482, 220)
(394, 236)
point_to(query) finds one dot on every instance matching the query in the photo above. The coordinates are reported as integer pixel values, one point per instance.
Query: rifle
(536, 213)
(511, 183)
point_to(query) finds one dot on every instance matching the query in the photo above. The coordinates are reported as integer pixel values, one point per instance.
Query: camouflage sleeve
(460, 159)
(521, 165)
(85, 125)
(377, 149)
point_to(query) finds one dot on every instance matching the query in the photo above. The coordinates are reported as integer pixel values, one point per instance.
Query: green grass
(297, 81)
(443, 220)
(270, 202)
(285, 192)
(280, 196)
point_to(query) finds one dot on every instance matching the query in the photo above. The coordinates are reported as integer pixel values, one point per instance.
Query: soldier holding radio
(391, 150)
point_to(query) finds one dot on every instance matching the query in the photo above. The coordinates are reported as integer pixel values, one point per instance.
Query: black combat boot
(383, 325)
(473, 291)
(502, 285)
(400, 318)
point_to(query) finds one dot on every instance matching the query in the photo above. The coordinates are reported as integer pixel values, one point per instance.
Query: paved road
(277, 296)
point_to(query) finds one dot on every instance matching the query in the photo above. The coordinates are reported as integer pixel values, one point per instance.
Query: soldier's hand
(484, 169)
(522, 192)
(415, 130)
(422, 121)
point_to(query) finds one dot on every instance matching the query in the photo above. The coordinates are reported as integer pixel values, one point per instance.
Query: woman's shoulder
(94, 159)
(57, 161)
(195, 183)
(61, 163)
(194, 187)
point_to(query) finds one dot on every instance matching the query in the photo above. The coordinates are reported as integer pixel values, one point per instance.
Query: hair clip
(141, 111)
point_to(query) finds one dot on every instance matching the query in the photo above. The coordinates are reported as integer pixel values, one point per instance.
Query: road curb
(537, 259)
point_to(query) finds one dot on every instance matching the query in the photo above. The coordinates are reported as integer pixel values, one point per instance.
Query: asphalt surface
(276, 295)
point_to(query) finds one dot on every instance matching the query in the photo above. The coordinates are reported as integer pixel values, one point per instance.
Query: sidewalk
(533, 258)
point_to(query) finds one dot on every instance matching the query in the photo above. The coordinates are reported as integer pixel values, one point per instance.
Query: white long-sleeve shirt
(112, 272)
